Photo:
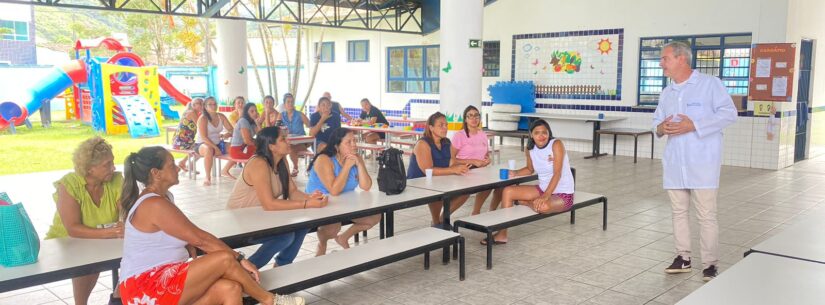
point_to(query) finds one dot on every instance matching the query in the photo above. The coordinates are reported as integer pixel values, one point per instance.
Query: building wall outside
(18, 52)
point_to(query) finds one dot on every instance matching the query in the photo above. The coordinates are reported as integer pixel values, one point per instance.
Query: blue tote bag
(19, 244)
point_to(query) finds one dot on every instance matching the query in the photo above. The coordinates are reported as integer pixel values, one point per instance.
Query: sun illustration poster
(574, 64)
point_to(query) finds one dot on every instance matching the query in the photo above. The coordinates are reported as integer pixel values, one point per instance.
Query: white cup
(511, 165)
(429, 173)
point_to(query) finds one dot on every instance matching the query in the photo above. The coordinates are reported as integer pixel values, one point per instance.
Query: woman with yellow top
(237, 113)
(87, 205)
(270, 115)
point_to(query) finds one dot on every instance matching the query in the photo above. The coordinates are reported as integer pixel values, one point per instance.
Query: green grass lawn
(47, 149)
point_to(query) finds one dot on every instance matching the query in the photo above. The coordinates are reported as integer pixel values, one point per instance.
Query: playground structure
(115, 95)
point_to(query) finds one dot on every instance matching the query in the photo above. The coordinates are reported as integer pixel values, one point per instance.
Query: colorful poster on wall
(571, 65)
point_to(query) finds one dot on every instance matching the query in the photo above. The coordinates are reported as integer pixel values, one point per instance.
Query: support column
(460, 77)
(231, 60)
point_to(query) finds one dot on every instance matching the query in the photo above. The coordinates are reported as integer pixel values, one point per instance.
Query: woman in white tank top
(209, 143)
(159, 240)
(547, 158)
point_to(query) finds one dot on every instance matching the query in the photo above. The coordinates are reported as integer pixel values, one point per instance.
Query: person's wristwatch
(240, 257)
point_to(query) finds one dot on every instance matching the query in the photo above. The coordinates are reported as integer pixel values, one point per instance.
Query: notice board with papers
(772, 72)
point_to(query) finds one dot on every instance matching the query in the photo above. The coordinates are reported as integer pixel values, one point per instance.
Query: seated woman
(546, 157)
(371, 115)
(87, 205)
(433, 151)
(471, 147)
(160, 239)
(185, 136)
(210, 142)
(337, 169)
(270, 116)
(265, 183)
(237, 111)
(295, 121)
(323, 122)
(242, 146)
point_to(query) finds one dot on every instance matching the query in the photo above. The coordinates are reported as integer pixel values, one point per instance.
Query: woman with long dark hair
(335, 170)
(159, 240)
(546, 157)
(210, 142)
(470, 146)
(433, 151)
(265, 182)
(323, 122)
(242, 145)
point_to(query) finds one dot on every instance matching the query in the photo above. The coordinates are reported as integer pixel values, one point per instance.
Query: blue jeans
(285, 245)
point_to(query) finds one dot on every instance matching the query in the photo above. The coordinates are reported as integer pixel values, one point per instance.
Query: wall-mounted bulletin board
(772, 71)
(571, 65)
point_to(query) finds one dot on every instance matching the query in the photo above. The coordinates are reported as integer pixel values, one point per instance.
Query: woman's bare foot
(269, 300)
(184, 166)
(226, 174)
(322, 248)
(207, 182)
(343, 242)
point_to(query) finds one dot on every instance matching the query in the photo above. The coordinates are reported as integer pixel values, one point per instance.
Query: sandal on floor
(495, 242)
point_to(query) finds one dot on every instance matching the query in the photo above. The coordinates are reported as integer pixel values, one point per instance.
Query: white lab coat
(693, 160)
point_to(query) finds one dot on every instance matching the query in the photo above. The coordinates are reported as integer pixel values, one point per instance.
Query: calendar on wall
(571, 65)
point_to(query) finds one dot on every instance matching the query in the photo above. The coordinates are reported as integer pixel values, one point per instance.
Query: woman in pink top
(471, 147)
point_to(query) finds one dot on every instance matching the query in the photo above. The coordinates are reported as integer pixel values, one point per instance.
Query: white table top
(479, 177)
(397, 119)
(571, 117)
(60, 254)
(236, 222)
(764, 279)
(298, 139)
(803, 240)
(392, 130)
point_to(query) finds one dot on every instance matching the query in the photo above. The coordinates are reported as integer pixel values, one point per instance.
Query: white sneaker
(288, 300)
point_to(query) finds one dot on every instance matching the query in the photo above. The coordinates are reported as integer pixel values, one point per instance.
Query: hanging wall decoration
(571, 65)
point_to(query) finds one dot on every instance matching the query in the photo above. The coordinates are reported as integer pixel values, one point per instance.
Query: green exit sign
(475, 43)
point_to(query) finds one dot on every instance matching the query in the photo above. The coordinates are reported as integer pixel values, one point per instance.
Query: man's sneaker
(288, 300)
(709, 273)
(679, 266)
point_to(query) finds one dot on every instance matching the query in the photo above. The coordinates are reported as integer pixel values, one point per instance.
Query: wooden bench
(629, 132)
(490, 222)
(318, 270)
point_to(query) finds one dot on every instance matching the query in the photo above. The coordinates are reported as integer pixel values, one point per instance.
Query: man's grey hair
(681, 48)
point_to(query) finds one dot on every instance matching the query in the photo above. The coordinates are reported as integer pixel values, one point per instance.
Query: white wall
(806, 20)
(746, 141)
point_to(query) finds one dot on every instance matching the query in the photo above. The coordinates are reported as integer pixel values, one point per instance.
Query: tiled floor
(545, 262)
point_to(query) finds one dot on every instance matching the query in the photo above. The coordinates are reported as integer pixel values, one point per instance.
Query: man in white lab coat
(692, 112)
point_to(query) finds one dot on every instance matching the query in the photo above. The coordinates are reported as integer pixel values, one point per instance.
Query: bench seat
(318, 270)
(492, 221)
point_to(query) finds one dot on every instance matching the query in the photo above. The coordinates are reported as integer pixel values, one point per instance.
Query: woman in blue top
(337, 169)
(433, 152)
(295, 121)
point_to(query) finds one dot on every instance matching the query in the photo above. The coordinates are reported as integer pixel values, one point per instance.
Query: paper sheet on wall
(781, 65)
(780, 86)
(762, 87)
(763, 67)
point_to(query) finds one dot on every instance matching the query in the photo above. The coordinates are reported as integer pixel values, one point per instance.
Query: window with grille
(14, 30)
(413, 69)
(327, 53)
(491, 56)
(726, 56)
